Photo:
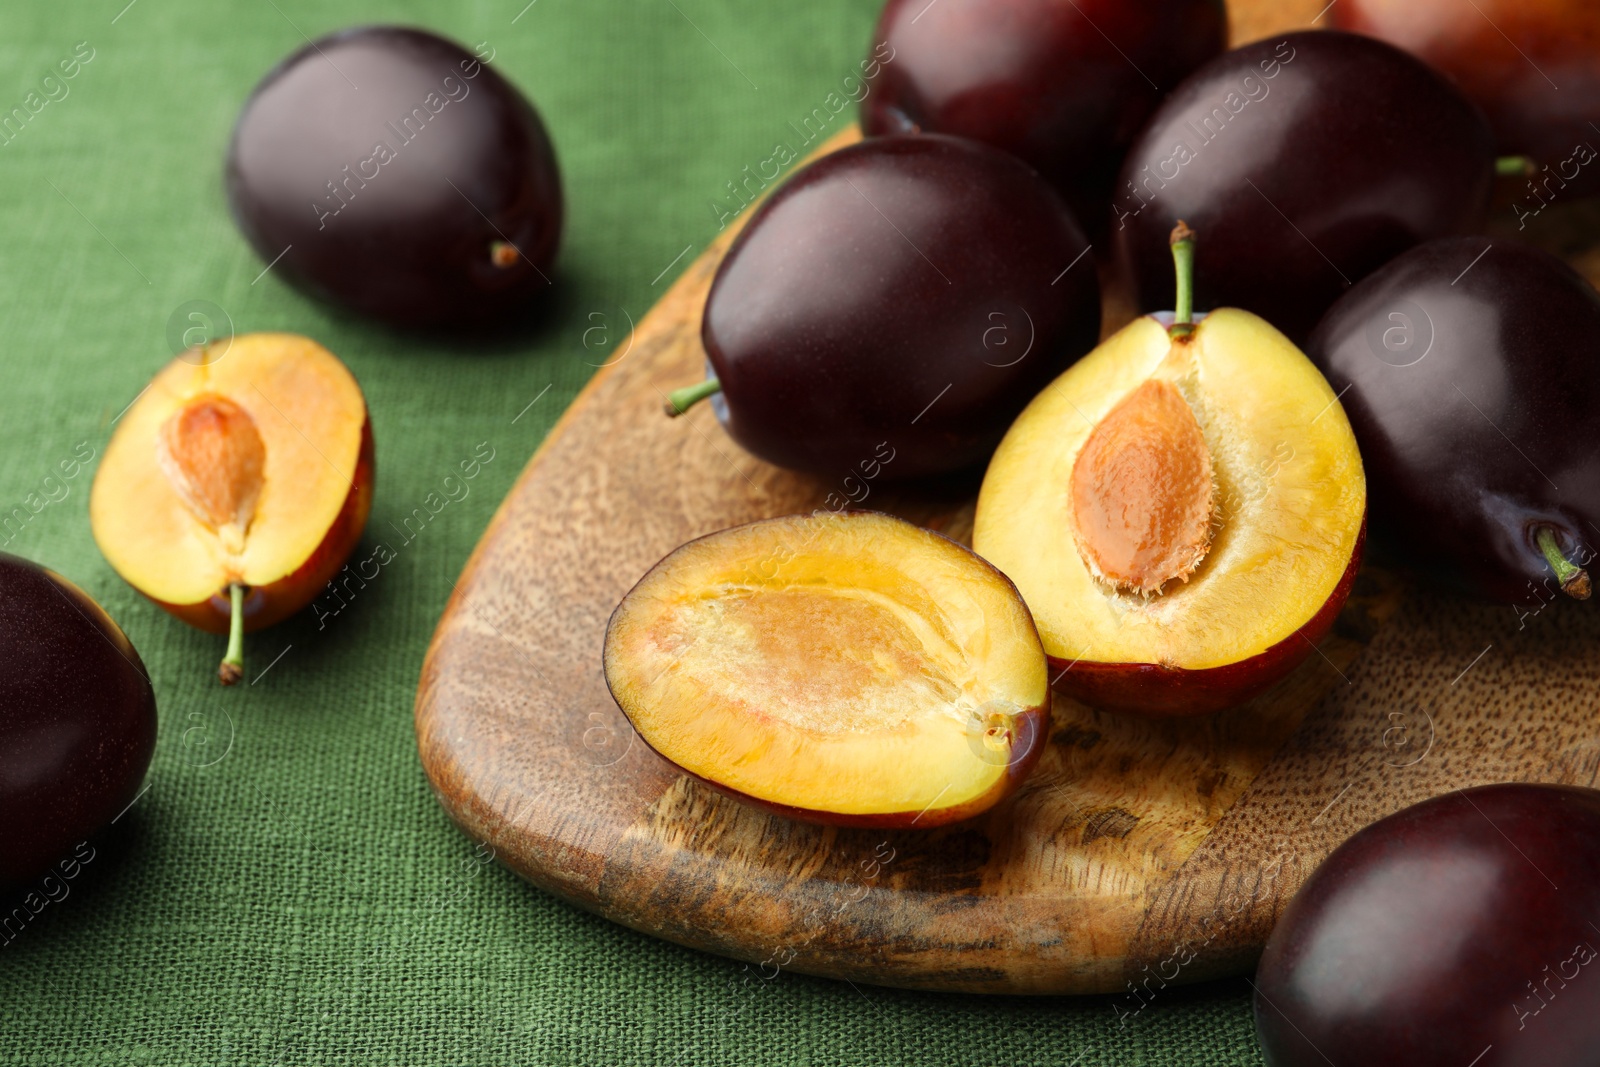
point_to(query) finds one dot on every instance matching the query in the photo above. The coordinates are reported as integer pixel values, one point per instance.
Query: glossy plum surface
(77, 719)
(1306, 162)
(1467, 371)
(1460, 931)
(896, 304)
(1532, 65)
(1065, 86)
(399, 175)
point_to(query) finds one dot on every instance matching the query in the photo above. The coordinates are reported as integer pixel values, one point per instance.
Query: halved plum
(237, 484)
(845, 668)
(1183, 511)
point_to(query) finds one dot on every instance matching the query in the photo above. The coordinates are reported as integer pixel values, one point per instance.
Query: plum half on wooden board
(845, 668)
(393, 172)
(1063, 86)
(1307, 161)
(1468, 370)
(77, 719)
(237, 483)
(1183, 511)
(903, 297)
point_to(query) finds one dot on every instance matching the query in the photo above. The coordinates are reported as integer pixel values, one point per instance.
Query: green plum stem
(1574, 579)
(232, 668)
(1183, 264)
(681, 400)
(1514, 166)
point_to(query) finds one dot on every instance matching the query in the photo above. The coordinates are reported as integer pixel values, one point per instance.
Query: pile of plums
(921, 303)
(1297, 220)
(910, 295)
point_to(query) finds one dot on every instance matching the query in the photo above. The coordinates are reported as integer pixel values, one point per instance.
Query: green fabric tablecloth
(287, 891)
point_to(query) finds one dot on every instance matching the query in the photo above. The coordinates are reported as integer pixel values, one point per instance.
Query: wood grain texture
(1140, 854)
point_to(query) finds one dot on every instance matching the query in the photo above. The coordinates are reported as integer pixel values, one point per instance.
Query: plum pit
(212, 452)
(1142, 491)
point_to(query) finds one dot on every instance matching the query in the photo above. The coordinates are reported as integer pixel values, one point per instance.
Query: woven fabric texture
(287, 892)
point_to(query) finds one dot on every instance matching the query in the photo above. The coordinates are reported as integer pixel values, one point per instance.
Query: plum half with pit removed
(845, 668)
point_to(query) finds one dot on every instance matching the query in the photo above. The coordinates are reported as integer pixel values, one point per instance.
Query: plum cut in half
(237, 484)
(1183, 511)
(845, 668)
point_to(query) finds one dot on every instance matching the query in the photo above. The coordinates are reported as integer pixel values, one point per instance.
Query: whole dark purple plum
(894, 306)
(1308, 161)
(396, 173)
(1063, 86)
(1467, 370)
(77, 719)
(1532, 65)
(1460, 931)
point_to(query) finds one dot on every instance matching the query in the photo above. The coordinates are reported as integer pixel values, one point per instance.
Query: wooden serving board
(1140, 853)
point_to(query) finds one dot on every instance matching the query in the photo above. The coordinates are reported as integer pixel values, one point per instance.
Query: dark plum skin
(895, 305)
(1458, 931)
(1333, 153)
(1064, 86)
(1467, 371)
(393, 165)
(1532, 65)
(77, 719)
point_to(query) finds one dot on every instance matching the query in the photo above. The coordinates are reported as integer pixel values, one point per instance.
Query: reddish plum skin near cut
(1065, 87)
(1457, 931)
(1156, 690)
(1332, 154)
(410, 236)
(1466, 368)
(77, 719)
(897, 303)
